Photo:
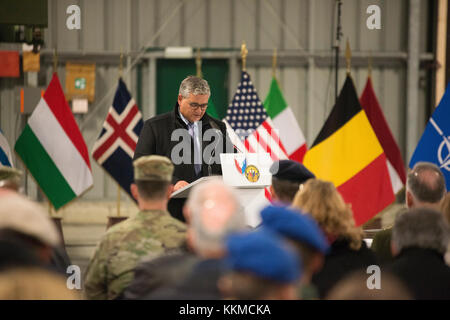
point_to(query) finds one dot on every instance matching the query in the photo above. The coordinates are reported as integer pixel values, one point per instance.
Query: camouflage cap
(27, 217)
(9, 175)
(153, 168)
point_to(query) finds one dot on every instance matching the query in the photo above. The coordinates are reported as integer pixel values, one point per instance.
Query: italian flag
(283, 119)
(52, 148)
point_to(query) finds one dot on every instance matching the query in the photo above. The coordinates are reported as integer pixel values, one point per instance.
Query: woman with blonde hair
(348, 251)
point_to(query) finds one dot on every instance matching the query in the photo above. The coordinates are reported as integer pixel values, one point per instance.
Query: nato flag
(434, 145)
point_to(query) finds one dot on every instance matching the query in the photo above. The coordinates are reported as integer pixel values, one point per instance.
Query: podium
(252, 199)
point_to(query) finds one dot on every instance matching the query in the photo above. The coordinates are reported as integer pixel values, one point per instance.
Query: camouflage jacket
(148, 235)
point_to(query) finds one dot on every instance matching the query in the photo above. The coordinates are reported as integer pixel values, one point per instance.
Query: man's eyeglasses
(196, 106)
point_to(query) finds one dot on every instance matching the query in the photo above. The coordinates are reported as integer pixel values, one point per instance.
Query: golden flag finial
(121, 62)
(348, 56)
(274, 62)
(244, 53)
(198, 63)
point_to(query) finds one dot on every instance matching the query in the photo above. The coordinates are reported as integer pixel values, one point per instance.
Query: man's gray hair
(194, 85)
(208, 238)
(421, 228)
(426, 182)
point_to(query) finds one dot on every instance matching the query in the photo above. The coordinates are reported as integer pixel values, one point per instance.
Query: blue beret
(264, 254)
(295, 225)
(291, 171)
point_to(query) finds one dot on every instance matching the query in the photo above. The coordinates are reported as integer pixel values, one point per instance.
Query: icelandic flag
(434, 145)
(114, 148)
(5, 152)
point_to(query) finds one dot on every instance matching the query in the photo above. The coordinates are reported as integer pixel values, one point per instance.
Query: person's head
(420, 228)
(152, 176)
(212, 212)
(261, 266)
(425, 186)
(354, 287)
(287, 175)
(10, 178)
(25, 222)
(34, 284)
(193, 98)
(303, 232)
(322, 200)
(445, 207)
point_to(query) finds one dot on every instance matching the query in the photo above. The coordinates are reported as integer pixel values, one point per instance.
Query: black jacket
(339, 262)
(424, 272)
(155, 138)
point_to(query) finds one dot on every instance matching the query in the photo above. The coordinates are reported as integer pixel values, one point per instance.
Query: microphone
(213, 153)
(237, 148)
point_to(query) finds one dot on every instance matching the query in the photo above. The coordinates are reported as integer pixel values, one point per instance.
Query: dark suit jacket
(424, 272)
(339, 262)
(156, 138)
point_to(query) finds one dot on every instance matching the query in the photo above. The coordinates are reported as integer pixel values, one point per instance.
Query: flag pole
(55, 60)
(118, 200)
(120, 76)
(198, 63)
(369, 66)
(348, 57)
(121, 62)
(244, 53)
(274, 63)
(337, 46)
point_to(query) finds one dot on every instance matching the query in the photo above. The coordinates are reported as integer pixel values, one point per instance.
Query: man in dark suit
(419, 242)
(188, 136)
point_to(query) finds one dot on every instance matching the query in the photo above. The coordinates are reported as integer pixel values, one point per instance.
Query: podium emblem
(252, 173)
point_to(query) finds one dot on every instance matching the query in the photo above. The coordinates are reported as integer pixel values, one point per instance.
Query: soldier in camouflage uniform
(151, 233)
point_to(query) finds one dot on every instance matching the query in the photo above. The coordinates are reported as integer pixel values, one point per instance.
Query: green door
(170, 73)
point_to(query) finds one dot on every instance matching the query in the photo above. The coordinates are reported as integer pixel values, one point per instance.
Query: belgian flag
(348, 153)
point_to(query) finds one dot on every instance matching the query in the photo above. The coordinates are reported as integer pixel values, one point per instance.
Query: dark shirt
(339, 262)
(424, 272)
(200, 284)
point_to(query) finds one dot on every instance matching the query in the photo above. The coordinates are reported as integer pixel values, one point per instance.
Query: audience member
(425, 188)
(212, 212)
(306, 236)
(419, 242)
(153, 231)
(262, 266)
(348, 251)
(287, 175)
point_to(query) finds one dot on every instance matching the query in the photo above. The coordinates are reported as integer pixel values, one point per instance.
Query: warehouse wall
(295, 27)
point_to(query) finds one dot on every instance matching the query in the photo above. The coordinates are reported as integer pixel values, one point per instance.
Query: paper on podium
(184, 192)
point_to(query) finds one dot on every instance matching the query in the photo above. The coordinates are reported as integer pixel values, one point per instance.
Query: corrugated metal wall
(303, 28)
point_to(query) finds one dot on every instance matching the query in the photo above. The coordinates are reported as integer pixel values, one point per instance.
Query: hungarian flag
(394, 161)
(348, 153)
(290, 134)
(53, 149)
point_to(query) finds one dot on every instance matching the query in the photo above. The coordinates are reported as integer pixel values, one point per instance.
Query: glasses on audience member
(196, 106)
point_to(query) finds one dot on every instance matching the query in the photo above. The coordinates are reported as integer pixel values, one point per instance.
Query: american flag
(114, 148)
(248, 124)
